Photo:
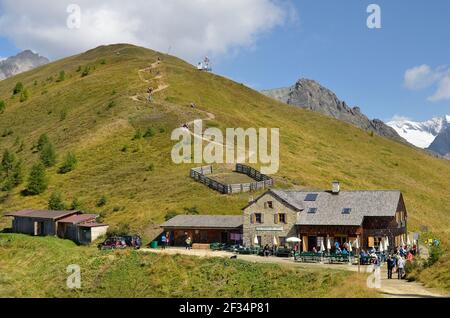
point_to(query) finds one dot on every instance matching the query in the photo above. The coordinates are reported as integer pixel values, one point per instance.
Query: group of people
(165, 240)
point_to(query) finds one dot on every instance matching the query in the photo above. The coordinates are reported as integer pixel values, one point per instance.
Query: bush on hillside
(42, 141)
(48, 155)
(14, 178)
(37, 181)
(102, 201)
(55, 202)
(62, 76)
(75, 205)
(24, 95)
(18, 88)
(2, 106)
(149, 133)
(70, 161)
(86, 71)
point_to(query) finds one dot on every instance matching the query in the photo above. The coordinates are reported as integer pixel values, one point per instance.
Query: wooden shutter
(371, 241)
(252, 218)
(262, 218)
(275, 219)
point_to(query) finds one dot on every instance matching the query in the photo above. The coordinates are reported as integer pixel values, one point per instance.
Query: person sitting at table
(344, 252)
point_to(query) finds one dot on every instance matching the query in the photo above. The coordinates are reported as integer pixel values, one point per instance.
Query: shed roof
(80, 218)
(205, 221)
(90, 225)
(42, 214)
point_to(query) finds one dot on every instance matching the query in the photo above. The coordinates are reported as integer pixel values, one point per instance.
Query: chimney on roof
(250, 199)
(336, 187)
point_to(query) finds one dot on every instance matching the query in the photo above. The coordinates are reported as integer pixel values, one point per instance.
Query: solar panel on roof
(311, 197)
(312, 210)
(346, 211)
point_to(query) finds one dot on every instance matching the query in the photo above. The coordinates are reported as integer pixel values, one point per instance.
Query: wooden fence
(261, 181)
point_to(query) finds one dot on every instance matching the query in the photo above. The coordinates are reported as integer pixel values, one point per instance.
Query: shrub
(170, 215)
(7, 132)
(151, 167)
(124, 148)
(37, 181)
(79, 69)
(86, 71)
(7, 162)
(102, 201)
(193, 210)
(111, 104)
(137, 134)
(24, 95)
(102, 61)
(70, 161)
(62, 76)
(121, 230)
(48, 155)
(42, 141)
(55, 202)
(2, 106)
(18, 88)
(75, 205)
(434, 253)
(149, 133)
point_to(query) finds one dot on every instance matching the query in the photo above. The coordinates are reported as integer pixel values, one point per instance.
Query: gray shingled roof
(329, 206)
(205, 221)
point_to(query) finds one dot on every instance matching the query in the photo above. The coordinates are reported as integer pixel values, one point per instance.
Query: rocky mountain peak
(310, 94)
(22, 62)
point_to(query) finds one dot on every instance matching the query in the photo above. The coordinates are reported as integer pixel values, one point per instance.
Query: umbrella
(350, 248)
(408, 241)
(322, 247)
(403, 242)
(386, 241)
(328, 244)
(357, 244)
(381, 248)
(293, 240)
(255, 241)
(275, 242)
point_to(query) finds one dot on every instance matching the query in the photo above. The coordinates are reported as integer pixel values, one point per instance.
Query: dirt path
(392, 288)
(160, 87)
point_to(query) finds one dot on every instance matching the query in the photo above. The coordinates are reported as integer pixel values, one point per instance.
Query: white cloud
(423, 76)
(191, 28)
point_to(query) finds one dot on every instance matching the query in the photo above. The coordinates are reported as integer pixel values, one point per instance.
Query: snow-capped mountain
(420, 134)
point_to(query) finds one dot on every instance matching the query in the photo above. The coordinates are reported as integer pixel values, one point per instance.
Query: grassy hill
(98, 115)
(134, 274)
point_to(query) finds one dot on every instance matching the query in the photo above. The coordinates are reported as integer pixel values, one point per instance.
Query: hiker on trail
(188, 243)
(163, 241)
(150, 90)
(390, 266)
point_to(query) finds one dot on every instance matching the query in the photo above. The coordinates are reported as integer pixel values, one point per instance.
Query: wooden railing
(262, 181)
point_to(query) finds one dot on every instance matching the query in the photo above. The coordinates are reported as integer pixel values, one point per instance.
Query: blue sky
(331, 43)
(328, 41)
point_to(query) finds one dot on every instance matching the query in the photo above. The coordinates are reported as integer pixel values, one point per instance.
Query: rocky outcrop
(441, 143)
(22, 62)
(311, 95)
